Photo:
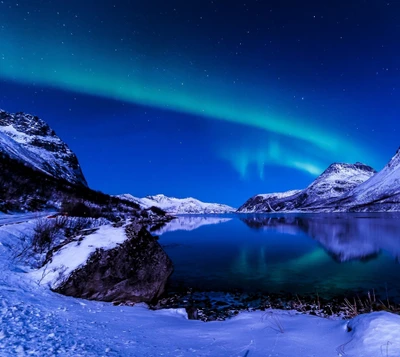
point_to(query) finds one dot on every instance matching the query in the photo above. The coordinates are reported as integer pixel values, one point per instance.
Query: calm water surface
(304, 254)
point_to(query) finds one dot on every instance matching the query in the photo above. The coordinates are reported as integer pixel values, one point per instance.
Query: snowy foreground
(37, 322)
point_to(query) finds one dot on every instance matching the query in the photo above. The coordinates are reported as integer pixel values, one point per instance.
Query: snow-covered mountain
(380, 193)
(30, 140)
(260, 203)
(179, 205)
(335, 181)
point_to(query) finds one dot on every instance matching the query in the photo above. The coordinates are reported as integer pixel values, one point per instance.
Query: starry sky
(218, 100)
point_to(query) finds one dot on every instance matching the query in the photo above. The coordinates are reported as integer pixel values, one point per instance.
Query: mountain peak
(336, 180)
(27, 123)
(395, 161)
(339, 167)
(29, 139)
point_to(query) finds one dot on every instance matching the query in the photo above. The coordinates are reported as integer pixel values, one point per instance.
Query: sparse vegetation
(78, 208)
(45, 233)
(274, 321)
(24, 188)
(369, 304)
(50, 234)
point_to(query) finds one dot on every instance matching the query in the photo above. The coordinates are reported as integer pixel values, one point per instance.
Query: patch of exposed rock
(135, 271)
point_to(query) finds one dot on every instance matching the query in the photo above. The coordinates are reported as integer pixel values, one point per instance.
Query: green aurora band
(79, 68)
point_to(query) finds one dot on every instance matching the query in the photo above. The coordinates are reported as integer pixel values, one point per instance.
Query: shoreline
(222, 305)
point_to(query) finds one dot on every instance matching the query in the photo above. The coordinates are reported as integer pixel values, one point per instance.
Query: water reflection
(292, 253)
(345, 237)
(187, 223)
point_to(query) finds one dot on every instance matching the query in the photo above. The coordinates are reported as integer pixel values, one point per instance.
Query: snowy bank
(74, 255)
(36, 322)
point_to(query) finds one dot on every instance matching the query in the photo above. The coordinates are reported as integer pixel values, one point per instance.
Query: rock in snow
(179, 205)
(111, 264)
(37, 322)
(29, 139)
(334, 182)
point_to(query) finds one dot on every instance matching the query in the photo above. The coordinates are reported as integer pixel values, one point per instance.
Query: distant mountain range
(341, 188)
(179, 205)
(38, 170)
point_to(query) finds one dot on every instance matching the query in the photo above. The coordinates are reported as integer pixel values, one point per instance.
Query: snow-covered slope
(30, 140)
(38, 322)
(334, 182)
(262, 202)
(75, 255)
(179, 205)
(380, 193)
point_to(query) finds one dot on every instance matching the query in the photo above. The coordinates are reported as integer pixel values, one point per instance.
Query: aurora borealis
(245, 98)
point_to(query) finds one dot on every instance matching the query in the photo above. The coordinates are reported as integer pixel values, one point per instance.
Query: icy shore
(37, 322)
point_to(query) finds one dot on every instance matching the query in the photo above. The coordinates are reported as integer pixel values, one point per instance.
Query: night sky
(218, 100)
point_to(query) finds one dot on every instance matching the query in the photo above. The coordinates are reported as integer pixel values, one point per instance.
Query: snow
(333, 183)
(375, 334)
(174, 205)
(17, 141)
(22, 217)
(129, 197)
(383, 184)
(36, 322)
(75, 255)
(278, 195)
(16, 151)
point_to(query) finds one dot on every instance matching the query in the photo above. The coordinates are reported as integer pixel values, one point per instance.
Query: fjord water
(328, 254)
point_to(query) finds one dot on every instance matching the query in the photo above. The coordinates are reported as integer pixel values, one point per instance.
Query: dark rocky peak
(26, 123)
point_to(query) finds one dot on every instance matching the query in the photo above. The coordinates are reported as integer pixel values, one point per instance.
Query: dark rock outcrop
(135, 271)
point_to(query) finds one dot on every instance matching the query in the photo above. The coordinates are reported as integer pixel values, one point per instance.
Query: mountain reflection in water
(345, 237)
(330, 254)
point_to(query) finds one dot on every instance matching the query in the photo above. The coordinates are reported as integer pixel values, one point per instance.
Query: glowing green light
(77, 67)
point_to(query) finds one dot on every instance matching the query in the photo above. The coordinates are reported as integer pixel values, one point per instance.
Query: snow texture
(75, 254)
(337, 180)
(179, 205)
(29, 139)
(278, 195)
(36, 322)
(380, 193)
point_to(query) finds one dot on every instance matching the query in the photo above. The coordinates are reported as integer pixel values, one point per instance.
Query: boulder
(135, 271)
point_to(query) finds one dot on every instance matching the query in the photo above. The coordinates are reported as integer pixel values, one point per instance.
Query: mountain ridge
(336, 180)
(175, 205)
(28, 138)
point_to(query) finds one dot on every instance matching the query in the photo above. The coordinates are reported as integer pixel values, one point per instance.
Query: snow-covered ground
(36, 322)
